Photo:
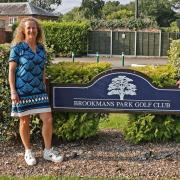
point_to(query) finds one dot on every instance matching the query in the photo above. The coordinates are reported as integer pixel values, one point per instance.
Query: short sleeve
(14, 54)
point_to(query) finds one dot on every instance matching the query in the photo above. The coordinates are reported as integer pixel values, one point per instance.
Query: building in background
(14, 12)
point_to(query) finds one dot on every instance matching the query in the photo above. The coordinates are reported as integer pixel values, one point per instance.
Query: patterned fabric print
(29, 78)
(28, 104)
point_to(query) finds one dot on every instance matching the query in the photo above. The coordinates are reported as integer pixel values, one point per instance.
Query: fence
(131, 43)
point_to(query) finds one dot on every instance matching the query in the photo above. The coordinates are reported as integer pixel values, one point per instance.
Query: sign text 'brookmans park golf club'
(116, 90)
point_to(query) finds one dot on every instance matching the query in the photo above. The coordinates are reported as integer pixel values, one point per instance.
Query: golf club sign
(116, 90)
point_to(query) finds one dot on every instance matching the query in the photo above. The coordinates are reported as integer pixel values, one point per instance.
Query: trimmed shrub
(151, 127)
(77, 73)
(161, 76)
(155, 127)
(73, 126)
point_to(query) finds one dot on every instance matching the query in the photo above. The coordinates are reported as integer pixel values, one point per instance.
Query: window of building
(12, 20)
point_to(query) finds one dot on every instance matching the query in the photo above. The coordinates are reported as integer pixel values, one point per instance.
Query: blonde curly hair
(19, 35)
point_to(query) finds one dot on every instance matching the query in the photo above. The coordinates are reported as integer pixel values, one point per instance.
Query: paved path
(117, 62)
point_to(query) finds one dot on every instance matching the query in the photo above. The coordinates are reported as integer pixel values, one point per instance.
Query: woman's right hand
(15, 98)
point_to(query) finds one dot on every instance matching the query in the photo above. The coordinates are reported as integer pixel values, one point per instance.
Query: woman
(27, 86)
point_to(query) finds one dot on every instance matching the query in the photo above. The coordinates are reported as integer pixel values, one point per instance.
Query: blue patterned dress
(29, 80)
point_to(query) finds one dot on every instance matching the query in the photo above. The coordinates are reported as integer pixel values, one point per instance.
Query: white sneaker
(51, 155)
(29, 157)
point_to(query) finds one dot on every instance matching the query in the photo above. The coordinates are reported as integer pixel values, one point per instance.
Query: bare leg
(48, 153)
(47, 129)
(25, 131)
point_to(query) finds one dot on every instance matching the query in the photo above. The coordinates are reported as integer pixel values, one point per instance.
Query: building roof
(22, 8)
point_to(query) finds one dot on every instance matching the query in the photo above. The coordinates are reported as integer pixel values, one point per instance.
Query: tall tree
(161, 10)
(74, 15)
(129, 7)
(120, 14)
(92, 8)
(111, 7)
(49, 5)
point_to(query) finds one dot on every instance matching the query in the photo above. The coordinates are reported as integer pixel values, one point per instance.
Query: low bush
(155, 127)
(152, 127)
(160, 76)
(73, 126)
(78, 72)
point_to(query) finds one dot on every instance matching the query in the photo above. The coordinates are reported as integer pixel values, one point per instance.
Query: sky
(67, 5)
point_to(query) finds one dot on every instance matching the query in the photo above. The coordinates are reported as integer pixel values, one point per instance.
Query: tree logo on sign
(122, 86)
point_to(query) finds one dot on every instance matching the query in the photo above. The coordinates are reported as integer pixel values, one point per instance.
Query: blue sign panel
(117, 90)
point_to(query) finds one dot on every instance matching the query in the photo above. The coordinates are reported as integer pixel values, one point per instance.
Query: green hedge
(7, 124)
(66, 37)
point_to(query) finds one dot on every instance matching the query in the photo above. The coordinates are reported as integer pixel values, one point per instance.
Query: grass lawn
(116, 121)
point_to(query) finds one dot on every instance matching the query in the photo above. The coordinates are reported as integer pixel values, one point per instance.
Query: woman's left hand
(178, 83)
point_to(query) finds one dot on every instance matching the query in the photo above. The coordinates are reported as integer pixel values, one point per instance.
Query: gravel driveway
(105, 155)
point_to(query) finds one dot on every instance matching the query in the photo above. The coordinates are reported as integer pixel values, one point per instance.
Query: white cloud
(67, 5)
